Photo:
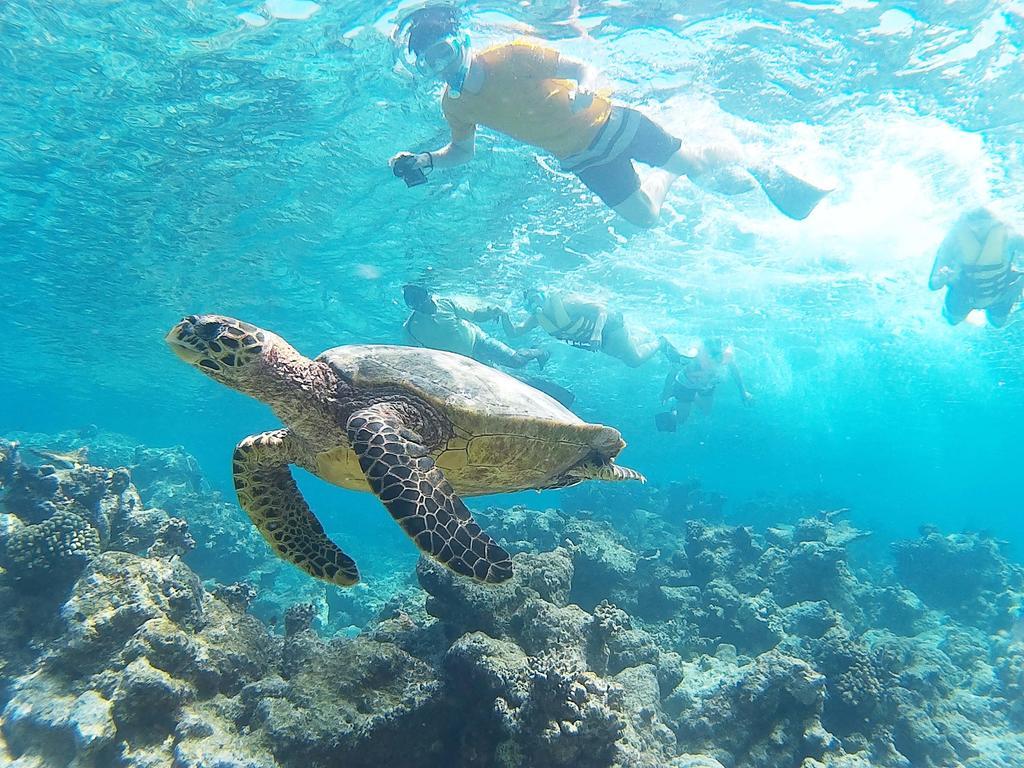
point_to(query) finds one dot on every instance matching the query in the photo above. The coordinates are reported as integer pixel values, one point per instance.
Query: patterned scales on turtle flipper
(268, 494)
(417, 494)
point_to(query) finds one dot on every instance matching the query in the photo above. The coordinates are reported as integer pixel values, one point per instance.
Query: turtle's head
(231, 351)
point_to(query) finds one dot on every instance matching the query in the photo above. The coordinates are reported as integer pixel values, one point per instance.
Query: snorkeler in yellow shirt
(534, 94)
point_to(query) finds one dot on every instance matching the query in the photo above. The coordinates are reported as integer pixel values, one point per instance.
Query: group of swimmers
(446, 323)
(543, 98)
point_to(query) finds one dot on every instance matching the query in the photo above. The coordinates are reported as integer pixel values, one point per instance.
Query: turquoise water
(164, 158)
(159, 159)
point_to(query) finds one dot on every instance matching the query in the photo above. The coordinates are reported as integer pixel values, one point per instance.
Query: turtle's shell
(506, 435)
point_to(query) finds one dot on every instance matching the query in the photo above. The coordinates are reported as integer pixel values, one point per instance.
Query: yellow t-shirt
(522, 98)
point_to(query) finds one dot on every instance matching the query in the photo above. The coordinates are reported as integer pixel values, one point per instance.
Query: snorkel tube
(456, 79)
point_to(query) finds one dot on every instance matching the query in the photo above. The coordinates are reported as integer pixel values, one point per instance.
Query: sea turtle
(417, 427)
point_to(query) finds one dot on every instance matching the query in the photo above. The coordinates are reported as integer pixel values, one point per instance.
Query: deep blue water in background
(158, 159)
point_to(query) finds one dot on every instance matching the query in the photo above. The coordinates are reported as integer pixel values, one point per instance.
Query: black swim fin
(549, 388)
(665, 421)
(790, 194)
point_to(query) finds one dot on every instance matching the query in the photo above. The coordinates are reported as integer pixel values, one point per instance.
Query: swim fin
(665, 421)
(790, 194)
(549, 388)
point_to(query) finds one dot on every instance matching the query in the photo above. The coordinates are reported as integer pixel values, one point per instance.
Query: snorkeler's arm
(462, 147)
(458, 151)
(512, 330)
(585, 77)
(573, 69)
(737, 377)
(945, 270)
(477, 314)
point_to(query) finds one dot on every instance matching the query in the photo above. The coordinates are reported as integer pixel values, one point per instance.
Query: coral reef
(978, 594)
(55, 520)
(670, 641)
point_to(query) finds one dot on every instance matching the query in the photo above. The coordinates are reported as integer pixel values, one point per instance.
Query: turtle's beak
(183, 341)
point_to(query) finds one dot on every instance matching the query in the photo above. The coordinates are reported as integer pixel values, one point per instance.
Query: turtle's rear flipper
(790, 194)
(418, 496)
(268, 494)
(612, 472)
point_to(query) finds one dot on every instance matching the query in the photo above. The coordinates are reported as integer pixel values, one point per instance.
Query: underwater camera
(405, 168)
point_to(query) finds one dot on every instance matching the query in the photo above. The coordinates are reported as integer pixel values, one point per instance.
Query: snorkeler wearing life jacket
(584, 324)
(703, 368)
(533, 94)
(975, 263)
(443, 323)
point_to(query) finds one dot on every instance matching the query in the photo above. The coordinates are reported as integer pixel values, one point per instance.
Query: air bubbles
(367, 271)
(895, 22)
(279, 10)
(291, 10)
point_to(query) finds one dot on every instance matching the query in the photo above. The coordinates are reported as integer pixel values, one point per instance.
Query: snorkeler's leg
(653, 146)
(640, 209)
(706, 400)
(656, 185)
(490, 351)
(641, 351)
(618, 185)
(956, 307)
(714, 167)
(683, 408)
(999, 313)
(728, 170)
(997, 316)
(617, 341)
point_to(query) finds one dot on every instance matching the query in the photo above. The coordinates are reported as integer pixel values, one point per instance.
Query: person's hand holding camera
(410, 160)
(409, 166)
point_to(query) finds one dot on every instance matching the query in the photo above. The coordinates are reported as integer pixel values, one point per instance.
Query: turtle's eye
(209, 331)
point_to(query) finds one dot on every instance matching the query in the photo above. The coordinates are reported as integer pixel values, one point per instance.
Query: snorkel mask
(440, 55)
(429, 44)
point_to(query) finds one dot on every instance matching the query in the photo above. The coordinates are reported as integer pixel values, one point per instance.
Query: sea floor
(144, 623)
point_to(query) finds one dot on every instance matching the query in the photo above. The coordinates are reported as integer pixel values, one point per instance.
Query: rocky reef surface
(145, 625)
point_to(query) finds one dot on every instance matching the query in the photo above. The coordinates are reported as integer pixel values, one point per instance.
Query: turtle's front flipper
(268, 494)
(418, 496)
